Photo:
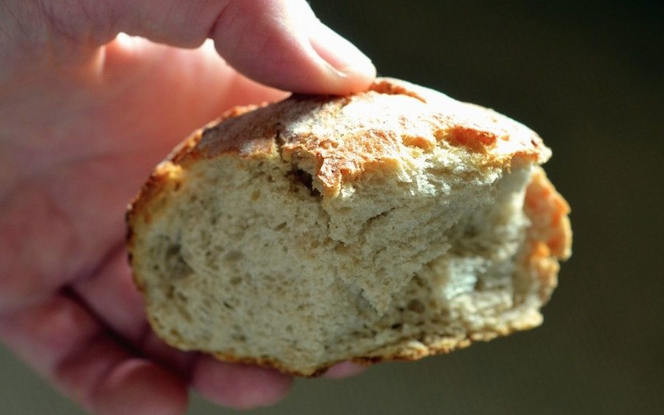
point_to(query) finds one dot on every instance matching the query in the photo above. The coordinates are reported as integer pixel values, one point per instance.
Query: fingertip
(344, 370)
(354, 70)
(239, 386)
(357, 79)
(139, 387)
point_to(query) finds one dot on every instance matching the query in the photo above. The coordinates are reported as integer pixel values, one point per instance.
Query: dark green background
(589, 77)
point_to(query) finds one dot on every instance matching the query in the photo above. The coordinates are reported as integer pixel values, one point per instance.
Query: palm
(66, 298)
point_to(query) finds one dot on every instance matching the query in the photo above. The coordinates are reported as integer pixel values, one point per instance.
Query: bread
(396, 223)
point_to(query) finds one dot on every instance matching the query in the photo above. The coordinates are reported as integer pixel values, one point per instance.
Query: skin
(84, 116)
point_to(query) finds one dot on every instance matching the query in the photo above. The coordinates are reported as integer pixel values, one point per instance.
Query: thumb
(279, 43)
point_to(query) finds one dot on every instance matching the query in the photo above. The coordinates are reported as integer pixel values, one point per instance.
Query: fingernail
(340, 54)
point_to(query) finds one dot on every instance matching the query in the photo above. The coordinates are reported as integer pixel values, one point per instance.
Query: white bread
(392, 224)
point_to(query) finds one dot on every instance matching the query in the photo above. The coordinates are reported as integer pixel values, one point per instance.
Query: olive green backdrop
(589, 77)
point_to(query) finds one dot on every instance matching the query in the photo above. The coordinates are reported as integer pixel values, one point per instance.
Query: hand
(84, 116)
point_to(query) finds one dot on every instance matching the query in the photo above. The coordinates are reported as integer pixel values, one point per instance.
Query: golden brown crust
(548, 212)
(404, 350)
(394, 87)
(549, 237)
(401, 351)
(298, 130)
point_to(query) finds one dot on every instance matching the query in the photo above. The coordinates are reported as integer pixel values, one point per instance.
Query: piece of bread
(392, 224)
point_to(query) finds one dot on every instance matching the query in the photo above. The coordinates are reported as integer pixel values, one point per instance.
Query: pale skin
(84, 116)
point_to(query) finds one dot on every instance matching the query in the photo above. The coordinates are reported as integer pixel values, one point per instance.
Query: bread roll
(396, 223)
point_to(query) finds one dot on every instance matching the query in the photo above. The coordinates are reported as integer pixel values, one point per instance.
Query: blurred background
(589, 77)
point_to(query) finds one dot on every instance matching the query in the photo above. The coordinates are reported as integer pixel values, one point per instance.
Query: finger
(63, 343)
(46, 334)
(280, 43)
(114, 299)
(275, 42)
(344, 370)
(140, 387)
(175, 360)
(287, 47)
(112, 295)
(109, 381)
(238, 386)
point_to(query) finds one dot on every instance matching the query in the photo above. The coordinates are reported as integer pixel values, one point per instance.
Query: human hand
(84, 116)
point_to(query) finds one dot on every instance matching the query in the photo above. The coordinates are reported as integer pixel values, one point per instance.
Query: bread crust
(292, 130)
(298, 128)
